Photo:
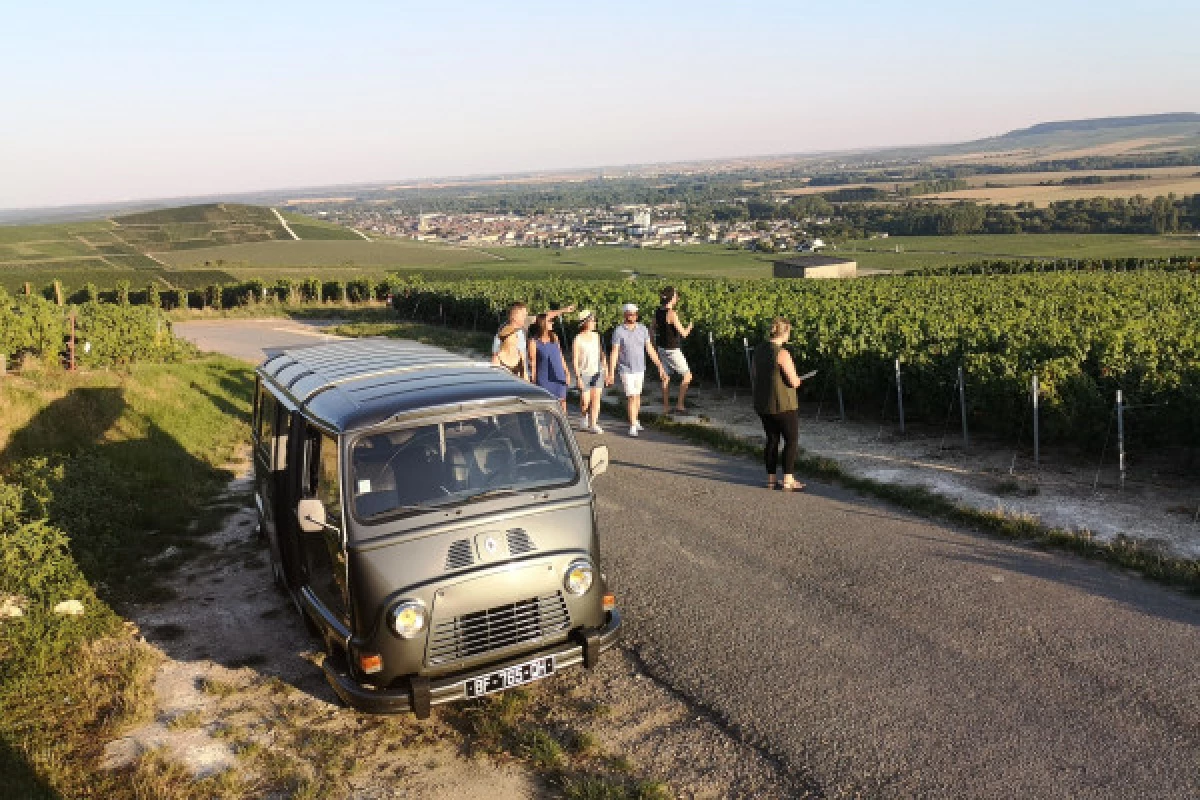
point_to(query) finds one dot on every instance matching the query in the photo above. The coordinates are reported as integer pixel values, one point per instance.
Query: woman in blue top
(547, 365)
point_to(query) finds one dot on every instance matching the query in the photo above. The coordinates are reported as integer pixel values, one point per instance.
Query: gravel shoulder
(241, 706)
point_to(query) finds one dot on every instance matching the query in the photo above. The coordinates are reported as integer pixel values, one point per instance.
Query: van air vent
(519, 542)
(459, 555)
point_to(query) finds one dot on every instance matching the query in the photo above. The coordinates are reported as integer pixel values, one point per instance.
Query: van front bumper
(584, 647)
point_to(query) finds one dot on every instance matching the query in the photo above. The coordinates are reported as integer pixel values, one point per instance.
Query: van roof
(354, 384)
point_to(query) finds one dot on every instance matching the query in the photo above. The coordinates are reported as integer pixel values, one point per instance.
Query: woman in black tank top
(666, 336)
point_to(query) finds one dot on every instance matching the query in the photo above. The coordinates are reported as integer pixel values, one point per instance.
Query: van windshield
(410, 470)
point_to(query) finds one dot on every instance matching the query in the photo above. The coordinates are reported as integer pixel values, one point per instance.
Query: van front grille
(460, 555)
(519, 542)
(495, 628)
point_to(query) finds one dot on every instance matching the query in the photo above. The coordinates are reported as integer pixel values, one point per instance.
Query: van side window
(266, 413)
(321, 478)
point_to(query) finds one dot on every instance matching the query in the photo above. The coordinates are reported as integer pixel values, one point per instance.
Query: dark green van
(432, 518)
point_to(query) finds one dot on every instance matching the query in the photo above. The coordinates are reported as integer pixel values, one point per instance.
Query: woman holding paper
(775, 381)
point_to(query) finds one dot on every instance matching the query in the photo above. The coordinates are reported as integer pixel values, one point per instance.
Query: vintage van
(432, 518)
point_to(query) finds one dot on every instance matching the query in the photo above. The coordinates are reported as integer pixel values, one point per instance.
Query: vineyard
(1084, 335)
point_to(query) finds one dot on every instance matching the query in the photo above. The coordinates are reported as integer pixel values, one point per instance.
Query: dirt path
(283, 222)
(242, 708)
(1155, 506)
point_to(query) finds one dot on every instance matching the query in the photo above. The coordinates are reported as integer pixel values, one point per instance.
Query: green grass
(98, 472)
(310, 228)
(229, 242)
(940, 251)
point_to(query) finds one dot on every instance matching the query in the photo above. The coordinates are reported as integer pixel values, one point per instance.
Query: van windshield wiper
(499, 491)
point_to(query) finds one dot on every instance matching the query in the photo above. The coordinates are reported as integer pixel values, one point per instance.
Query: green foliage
(123, 293)
(153, 299)
(118, 334)
(1086, 335)
(30, 324)
(123, 335)
(116, 470)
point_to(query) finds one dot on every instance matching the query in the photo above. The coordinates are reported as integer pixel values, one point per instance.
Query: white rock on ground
(12, 606)
(71, 608)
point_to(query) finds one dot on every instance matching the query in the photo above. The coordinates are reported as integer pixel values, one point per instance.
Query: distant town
(621, 226)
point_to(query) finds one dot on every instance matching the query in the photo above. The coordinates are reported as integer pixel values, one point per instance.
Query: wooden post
(71, 346)
(712, 348)
(962, 404)
(1121, 436)
(1037, 453)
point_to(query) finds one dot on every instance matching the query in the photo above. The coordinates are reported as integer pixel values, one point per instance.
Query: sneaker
(595, 429)
(633, 430)
(583, 423)
(637, 426)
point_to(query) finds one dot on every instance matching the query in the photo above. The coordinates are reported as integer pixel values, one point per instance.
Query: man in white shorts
(669, 333)
(631, 346)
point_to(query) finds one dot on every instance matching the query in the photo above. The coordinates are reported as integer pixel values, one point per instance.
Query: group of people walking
(535, 353)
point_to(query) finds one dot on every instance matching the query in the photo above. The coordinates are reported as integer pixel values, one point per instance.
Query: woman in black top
(669, 333)
(775, 381)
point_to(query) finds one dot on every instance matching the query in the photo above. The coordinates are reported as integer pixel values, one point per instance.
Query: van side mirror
(598, 460)
(311, 514)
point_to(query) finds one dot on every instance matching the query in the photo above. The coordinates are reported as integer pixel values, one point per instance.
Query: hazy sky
(124, 100)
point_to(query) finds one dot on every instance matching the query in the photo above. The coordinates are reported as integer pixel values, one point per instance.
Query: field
(1084, 335)
(127, 248)
(1178, 182)
(915, 252)
(247, 242)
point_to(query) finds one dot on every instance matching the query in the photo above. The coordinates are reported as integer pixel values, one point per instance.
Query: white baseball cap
(628, 307)
(586, 314)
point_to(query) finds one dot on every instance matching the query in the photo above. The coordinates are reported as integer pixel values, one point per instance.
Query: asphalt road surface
(871, 653)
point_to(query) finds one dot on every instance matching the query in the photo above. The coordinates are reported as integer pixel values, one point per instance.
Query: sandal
(792, 487)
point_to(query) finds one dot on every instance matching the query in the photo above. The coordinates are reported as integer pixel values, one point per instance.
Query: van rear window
(410, 470)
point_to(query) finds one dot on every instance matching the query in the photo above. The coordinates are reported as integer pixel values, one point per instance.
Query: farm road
(870, 652)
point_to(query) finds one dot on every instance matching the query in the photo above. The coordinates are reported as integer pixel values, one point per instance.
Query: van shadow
(139, 508)
(19, 778)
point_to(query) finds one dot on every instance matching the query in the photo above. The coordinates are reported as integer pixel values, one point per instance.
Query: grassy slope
(107, 458)
(310, 228)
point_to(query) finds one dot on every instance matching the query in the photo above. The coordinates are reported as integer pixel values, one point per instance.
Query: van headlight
(579, 577)
(408, 618)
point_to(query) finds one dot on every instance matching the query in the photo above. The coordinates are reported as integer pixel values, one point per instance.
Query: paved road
(246, 338)
(872, 653)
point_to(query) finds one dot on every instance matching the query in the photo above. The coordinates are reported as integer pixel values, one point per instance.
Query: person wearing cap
(591, 370)
(669, 333)
(631, 346)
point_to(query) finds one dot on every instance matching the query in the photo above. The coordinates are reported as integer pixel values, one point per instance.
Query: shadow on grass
(19, 779)
(122, 488)
(133, 502)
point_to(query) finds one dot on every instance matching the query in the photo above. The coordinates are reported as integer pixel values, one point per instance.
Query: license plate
(509, 677)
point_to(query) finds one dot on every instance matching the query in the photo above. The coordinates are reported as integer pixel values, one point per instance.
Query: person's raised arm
(673, 320)
(558, 312)
(789, 369)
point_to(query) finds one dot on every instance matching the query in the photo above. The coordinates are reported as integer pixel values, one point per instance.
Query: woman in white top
(591, 371)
